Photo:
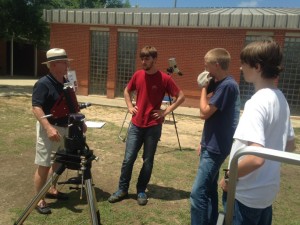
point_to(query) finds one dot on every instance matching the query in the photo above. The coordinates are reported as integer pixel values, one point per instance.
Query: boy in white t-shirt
(265, 122)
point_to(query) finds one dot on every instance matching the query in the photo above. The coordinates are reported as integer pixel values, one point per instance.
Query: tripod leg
(36, 199)
(91, 199)
(121, 130)
(170, 101)
(129, 125)
(176, 130)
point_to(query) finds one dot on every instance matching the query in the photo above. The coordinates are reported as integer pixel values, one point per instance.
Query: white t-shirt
(266, 121)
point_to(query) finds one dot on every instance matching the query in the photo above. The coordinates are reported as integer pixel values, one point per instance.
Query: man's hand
(158, 113)
(133, 110)
(203, 79)
(199, 150)
(53, 134)
(223, 184)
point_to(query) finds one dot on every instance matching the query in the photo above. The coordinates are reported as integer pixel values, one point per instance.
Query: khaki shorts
(44, 146)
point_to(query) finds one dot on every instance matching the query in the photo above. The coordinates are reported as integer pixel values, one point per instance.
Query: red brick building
(105, 44)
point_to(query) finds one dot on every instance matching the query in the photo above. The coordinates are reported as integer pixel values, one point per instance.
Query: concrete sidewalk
(15, 86)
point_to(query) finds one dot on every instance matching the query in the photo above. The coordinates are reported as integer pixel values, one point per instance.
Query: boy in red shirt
(150, 86)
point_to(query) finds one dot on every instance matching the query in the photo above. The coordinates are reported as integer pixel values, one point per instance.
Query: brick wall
(187, 45)
(75, 39)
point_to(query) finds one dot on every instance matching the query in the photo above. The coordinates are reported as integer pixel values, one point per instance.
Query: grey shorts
(44, 146)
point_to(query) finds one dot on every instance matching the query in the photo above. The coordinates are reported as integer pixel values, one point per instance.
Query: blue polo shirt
(46, 92)
(218, 131)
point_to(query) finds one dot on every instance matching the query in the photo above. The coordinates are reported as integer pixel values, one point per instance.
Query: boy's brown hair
(148, 51)
(267, 54)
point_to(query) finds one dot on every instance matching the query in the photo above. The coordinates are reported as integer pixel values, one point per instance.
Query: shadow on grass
(166, 193)
(74, 200)
(169, 122)
(160, 152)
(10, 90)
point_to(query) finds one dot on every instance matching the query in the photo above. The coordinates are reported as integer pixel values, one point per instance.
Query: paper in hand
(203, 79)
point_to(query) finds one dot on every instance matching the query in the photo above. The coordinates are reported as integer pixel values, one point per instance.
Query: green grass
(169, 189)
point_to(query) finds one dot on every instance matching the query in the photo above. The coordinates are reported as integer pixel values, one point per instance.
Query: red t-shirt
(150, 91)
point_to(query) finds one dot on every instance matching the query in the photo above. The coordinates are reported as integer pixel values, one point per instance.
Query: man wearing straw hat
(50, 131)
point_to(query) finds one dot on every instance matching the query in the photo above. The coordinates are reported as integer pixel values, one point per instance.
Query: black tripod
(173, 116)
(76, 156)
(170, 70)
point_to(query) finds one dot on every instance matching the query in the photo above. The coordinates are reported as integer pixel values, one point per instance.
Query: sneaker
(118, 196)
(142, 198)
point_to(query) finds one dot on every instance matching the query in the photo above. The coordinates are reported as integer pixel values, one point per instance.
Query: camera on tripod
(173, 67)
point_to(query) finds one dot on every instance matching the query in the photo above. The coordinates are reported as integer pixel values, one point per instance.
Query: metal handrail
(270, 154)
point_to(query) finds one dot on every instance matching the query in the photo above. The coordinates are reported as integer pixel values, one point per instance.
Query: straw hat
(55, 54)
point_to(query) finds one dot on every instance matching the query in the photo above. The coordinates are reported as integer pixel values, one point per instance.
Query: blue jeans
(137, 137)
(244, 215)
(204, 195)
(224, 200)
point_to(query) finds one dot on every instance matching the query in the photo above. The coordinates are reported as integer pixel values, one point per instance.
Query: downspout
(12, 56)
(35, 60)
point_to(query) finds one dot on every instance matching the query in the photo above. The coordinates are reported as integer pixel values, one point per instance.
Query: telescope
(75, 156)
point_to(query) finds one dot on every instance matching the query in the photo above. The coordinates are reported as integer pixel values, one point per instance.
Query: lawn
(168, 191)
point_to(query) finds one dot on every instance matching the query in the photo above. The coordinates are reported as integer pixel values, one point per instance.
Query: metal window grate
(289, 79)
(247, 89)
(127, 50)
(98, 62)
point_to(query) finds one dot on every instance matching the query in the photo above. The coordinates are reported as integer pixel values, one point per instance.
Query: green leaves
(22, 20)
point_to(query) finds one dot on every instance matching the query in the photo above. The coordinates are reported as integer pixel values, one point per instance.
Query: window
(98, 62)
(247, 89)
(289, 79)
(127, 50)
